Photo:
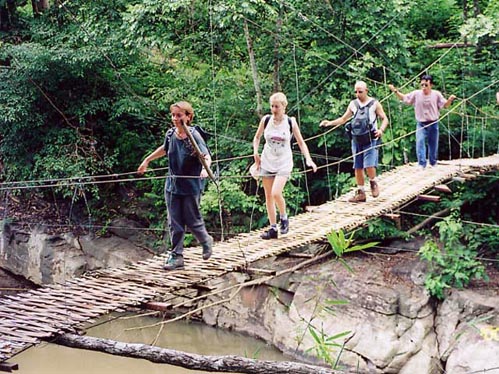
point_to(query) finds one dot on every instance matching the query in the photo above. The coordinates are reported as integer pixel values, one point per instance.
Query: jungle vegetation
(85, 88)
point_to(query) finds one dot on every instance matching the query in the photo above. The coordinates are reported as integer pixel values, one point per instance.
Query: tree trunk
(7, 15)
(39, 6)
(277, 81)
(224, 364)
(254, 70)
(476, 8)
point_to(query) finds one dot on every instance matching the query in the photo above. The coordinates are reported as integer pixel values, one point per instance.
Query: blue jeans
(427, 131)
(365, 156)
(183, 211)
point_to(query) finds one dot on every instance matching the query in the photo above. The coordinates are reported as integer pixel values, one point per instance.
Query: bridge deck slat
(65, 307)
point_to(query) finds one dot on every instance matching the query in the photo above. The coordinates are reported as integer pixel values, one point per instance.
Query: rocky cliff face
(53, 258)
(390, 323)
(384, 319)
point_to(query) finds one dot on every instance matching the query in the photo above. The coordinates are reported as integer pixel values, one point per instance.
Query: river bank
(383, 318)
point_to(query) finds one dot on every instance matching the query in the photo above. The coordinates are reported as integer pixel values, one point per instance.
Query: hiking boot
(360, 197)
(269, 234)
(174, 261)
(374, 188)
(207, 248)
(284, 226)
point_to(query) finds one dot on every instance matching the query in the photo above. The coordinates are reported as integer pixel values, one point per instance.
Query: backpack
(360, 129)
(204, 135)
(290, 123)
(197, 128)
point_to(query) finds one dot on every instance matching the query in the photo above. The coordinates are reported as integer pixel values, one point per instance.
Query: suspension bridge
(31, 317)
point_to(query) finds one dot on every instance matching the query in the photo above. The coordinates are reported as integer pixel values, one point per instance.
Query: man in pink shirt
(427, 104)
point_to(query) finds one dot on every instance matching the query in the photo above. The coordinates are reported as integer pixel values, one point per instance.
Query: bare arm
(380, 113)
(204, 173)
(256, 141)
(399, 94)
(449, 101)
(303, 146)
(338, 121)
(159, 152)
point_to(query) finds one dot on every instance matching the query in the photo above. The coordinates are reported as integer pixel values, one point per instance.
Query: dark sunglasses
(424, 84)
(359, 91)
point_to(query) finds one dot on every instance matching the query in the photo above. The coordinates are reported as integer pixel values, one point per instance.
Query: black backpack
(360, 129)
(197, 128)
(204, 135)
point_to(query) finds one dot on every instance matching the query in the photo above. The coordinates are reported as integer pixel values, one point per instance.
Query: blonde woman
(276, 161)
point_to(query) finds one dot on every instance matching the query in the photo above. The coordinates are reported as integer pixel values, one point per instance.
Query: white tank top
(277, 156)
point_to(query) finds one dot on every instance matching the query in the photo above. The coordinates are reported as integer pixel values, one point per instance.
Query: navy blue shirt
(183, 161)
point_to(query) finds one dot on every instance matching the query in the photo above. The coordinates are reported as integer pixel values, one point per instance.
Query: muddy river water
(183, 336)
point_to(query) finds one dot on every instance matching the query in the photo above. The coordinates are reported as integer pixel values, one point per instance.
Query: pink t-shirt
(426, 107)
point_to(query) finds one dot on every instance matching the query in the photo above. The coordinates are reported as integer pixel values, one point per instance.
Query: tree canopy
(85, 88)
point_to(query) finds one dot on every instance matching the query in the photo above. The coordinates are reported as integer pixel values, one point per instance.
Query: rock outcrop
(374, 315)
(44, 258)
(384, 320)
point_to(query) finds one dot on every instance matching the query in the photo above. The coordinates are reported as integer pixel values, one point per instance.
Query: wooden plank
(68, 305)
(261, 271)
(469, 176)
(7, 367)
(12, 335)
(432, 198)
(443, 188)
(157, 306)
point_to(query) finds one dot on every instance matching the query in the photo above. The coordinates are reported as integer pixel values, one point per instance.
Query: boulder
(387, 320)
(467, 324)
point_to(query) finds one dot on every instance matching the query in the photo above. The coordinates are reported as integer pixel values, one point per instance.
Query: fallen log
(428, 220)
(219, 364)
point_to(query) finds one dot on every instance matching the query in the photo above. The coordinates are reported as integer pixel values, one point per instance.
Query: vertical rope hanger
(214, 111)
(326, 153)
(474, 134)
(389, 110)
(297, 88)
(484, 121)
(462, 133)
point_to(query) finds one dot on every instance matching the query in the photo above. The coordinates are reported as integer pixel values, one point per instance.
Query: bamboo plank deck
(27, 319)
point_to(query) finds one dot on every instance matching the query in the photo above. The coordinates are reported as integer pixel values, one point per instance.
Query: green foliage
(380, 229)
(239, 210)
(435, 21)
(326, 345)
(452, 262)
(340, 244)
(84, 87)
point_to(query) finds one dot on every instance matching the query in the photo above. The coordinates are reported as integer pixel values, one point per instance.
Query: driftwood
(219, 364)
(427, 221)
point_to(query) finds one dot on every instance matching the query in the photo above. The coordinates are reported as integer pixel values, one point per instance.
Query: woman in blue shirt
(183, 194)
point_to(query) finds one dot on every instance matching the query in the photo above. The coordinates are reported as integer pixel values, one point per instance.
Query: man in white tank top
(365, 156)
